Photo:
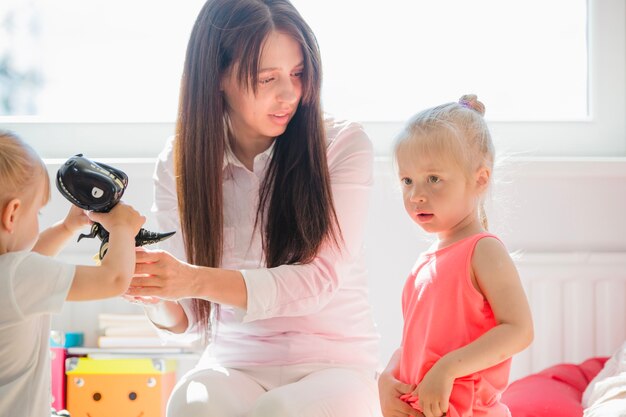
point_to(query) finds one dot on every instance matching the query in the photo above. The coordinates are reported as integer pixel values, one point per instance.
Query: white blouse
(308, 313)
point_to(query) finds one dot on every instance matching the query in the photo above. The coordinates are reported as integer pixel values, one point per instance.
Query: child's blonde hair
(456, 131)
(20, 167)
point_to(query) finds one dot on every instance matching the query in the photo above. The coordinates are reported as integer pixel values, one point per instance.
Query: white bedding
(605, 395)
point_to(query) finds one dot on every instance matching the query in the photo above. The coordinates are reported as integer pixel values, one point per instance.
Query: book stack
(129, 331)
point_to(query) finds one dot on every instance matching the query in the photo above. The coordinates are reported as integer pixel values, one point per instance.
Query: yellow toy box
(119, 387)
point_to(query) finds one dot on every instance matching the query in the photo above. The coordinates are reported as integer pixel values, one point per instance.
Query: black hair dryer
(98, 187)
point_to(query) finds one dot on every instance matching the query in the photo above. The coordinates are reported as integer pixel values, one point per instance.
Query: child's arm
(52, 240)
(390, 390)
(497, 278)
(112, 277)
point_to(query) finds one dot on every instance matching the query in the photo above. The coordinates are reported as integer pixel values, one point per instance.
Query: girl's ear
(9, 214)
(482, 178)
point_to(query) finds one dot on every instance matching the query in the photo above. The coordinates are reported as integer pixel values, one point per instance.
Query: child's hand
(121, 216)
(434, 392)
(76, 219)
(389, 391)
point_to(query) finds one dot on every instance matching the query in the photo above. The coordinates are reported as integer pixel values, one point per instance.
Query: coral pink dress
(443, 312)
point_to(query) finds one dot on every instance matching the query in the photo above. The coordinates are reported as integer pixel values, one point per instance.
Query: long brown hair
(295, 211)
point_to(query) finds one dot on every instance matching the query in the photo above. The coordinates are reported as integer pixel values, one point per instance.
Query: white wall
(538, 206)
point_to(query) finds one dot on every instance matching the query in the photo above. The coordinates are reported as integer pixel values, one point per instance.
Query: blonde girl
(464, 308)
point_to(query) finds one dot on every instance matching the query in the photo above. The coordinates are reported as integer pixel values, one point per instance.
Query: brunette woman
(270, 199)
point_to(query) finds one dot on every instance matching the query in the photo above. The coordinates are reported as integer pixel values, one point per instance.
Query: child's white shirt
(32, 287)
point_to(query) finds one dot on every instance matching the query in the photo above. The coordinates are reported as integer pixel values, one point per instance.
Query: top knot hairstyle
(471, 102)
(455, 131)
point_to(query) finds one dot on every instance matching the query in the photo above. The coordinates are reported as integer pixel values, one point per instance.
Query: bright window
(114, 60)
(386, 60)
(86, 61)
(550, 73)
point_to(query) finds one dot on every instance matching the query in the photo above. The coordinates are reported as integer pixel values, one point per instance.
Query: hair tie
(470, 101)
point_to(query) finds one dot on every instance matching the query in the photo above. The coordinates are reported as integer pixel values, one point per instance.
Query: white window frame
(602, 134)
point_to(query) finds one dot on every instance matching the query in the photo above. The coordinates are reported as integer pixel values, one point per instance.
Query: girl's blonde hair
(455, 131)
(20, 167)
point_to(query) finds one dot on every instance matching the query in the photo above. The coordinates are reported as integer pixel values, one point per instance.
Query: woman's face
(265, 115)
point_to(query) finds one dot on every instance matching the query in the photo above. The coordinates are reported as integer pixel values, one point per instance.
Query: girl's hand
(121, 216)
(159, 274)
(434, 392)
(389, 391)
(76, 219)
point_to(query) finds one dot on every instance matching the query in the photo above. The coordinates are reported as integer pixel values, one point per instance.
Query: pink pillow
(591, 367)
(553, 392)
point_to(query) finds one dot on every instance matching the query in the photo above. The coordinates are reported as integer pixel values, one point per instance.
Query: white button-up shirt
(306, 313)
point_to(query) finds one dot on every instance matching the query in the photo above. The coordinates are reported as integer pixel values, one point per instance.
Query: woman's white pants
(276, 391)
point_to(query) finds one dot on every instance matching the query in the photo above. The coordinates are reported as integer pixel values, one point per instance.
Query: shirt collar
(231, 159)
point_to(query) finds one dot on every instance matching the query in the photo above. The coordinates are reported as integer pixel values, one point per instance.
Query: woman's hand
(144, 301)
(434, 391)
(159, 274)
(389, 391)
